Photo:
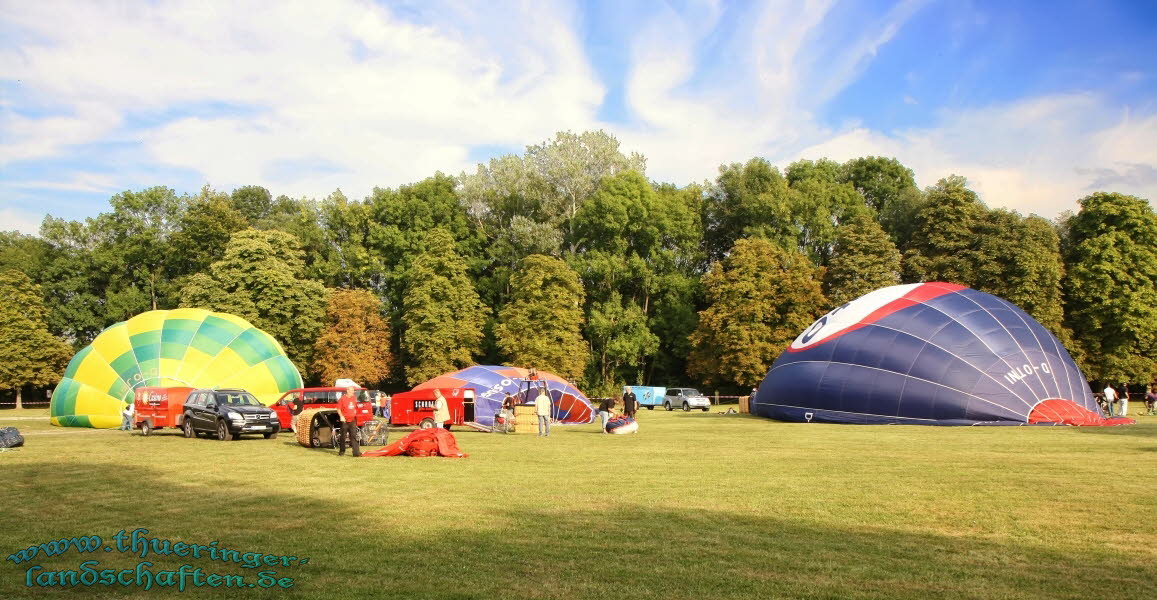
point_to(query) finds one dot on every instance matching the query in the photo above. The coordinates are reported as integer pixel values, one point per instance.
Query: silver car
(685, 398)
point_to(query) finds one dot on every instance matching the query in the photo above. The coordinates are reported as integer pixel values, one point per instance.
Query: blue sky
(1037, 104)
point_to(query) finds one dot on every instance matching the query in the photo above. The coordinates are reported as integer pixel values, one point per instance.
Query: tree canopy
(566, 256)
(29, 354)
(759, 299)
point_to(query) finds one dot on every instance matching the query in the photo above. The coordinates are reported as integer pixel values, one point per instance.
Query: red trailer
(294, 401)
(417, 407)
(158, 407)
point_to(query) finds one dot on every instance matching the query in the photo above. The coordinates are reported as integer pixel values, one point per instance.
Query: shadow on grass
(563, 551)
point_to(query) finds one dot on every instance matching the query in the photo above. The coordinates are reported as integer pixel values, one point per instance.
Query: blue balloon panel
(922, 354)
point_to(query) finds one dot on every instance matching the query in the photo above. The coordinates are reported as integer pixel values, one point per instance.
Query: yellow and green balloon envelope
(187, 347)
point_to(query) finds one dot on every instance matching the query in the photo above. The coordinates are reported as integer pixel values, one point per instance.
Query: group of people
(1115, 401)
(542, 409)
(607, 407)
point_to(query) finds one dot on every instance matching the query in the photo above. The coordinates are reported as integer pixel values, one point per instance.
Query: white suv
(685, 398)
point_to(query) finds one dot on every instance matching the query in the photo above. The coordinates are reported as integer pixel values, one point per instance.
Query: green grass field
(697, 506)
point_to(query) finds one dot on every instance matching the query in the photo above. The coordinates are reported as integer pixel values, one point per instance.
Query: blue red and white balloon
(930, 354)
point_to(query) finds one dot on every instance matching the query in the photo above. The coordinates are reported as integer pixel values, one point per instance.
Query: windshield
(237, 399)
(691, 392)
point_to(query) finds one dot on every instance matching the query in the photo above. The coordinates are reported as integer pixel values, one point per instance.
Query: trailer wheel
(426, 423)
(187, 427)
(146, 428)
(223, 431)
(650, 407)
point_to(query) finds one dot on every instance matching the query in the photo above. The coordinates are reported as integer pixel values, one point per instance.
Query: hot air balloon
(928, 354)
(492, 383)
(186, 347)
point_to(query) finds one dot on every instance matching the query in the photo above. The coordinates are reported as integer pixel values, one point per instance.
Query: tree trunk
(19, 403)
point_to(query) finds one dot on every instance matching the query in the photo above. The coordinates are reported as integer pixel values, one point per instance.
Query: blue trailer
(649, 397)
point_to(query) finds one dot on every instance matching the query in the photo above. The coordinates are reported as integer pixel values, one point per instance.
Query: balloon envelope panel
(492, 383)
(928, 353)
(169, 348)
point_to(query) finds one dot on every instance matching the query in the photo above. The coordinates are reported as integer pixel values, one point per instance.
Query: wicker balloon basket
(314, 427)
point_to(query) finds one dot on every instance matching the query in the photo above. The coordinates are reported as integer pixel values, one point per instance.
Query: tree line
(568, 258)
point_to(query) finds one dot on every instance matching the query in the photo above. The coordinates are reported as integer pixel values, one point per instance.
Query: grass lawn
(697, 506)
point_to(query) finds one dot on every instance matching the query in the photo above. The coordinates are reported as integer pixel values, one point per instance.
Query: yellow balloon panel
(176, 348)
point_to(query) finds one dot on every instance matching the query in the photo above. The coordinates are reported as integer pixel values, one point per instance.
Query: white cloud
(1038, 155)
(304, 97)
(17, 220)
(345, 84)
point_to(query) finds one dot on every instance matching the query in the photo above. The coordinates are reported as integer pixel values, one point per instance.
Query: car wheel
(187, 427)
(223, 431)
(686, 407)
(272, 435)
(705, 408)
(426, 423)
(667, 405)
(146, 429)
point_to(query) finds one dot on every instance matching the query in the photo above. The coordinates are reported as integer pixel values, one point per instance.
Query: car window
(195, 399)
(237, 399)
(321, 397)
(693, 393)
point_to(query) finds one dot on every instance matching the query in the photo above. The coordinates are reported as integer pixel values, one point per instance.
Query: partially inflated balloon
(187, 347)
(927, 354)
(492, 383)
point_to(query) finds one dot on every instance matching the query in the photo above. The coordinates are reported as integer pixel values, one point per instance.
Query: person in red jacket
(347, 409)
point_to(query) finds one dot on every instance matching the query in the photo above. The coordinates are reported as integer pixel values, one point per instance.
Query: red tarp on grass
(422, 442)
(1066, 412)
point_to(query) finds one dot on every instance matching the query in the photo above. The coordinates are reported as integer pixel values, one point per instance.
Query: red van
(294, 401)
(158, 407)
(417, 407)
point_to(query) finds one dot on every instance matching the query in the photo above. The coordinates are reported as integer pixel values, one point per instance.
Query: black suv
(227, 414)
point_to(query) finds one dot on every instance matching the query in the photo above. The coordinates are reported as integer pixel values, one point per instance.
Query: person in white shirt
(1110, 398)
(542, 409)
(127, 416)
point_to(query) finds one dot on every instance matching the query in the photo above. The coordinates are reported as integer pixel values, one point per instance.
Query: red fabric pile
(422, 442)
(1067, 412)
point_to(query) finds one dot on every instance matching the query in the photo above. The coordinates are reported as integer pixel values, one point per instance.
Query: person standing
(542, 409)
(630, 403)
(347, 410)
(1110, 398)
(127, 416)
(605, 408)
(441, 411)
(1123, 398)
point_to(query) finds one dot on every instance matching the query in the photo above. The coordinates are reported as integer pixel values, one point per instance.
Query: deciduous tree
(29, 353)
(442, 315)
(864, 259)
(1110, 283)
(355, 343)
(542, 325)
(260, 279)
(944, 243)
(758, 300)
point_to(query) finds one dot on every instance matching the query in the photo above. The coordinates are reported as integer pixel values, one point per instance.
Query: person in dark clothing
(630, 403)
(605, 408)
